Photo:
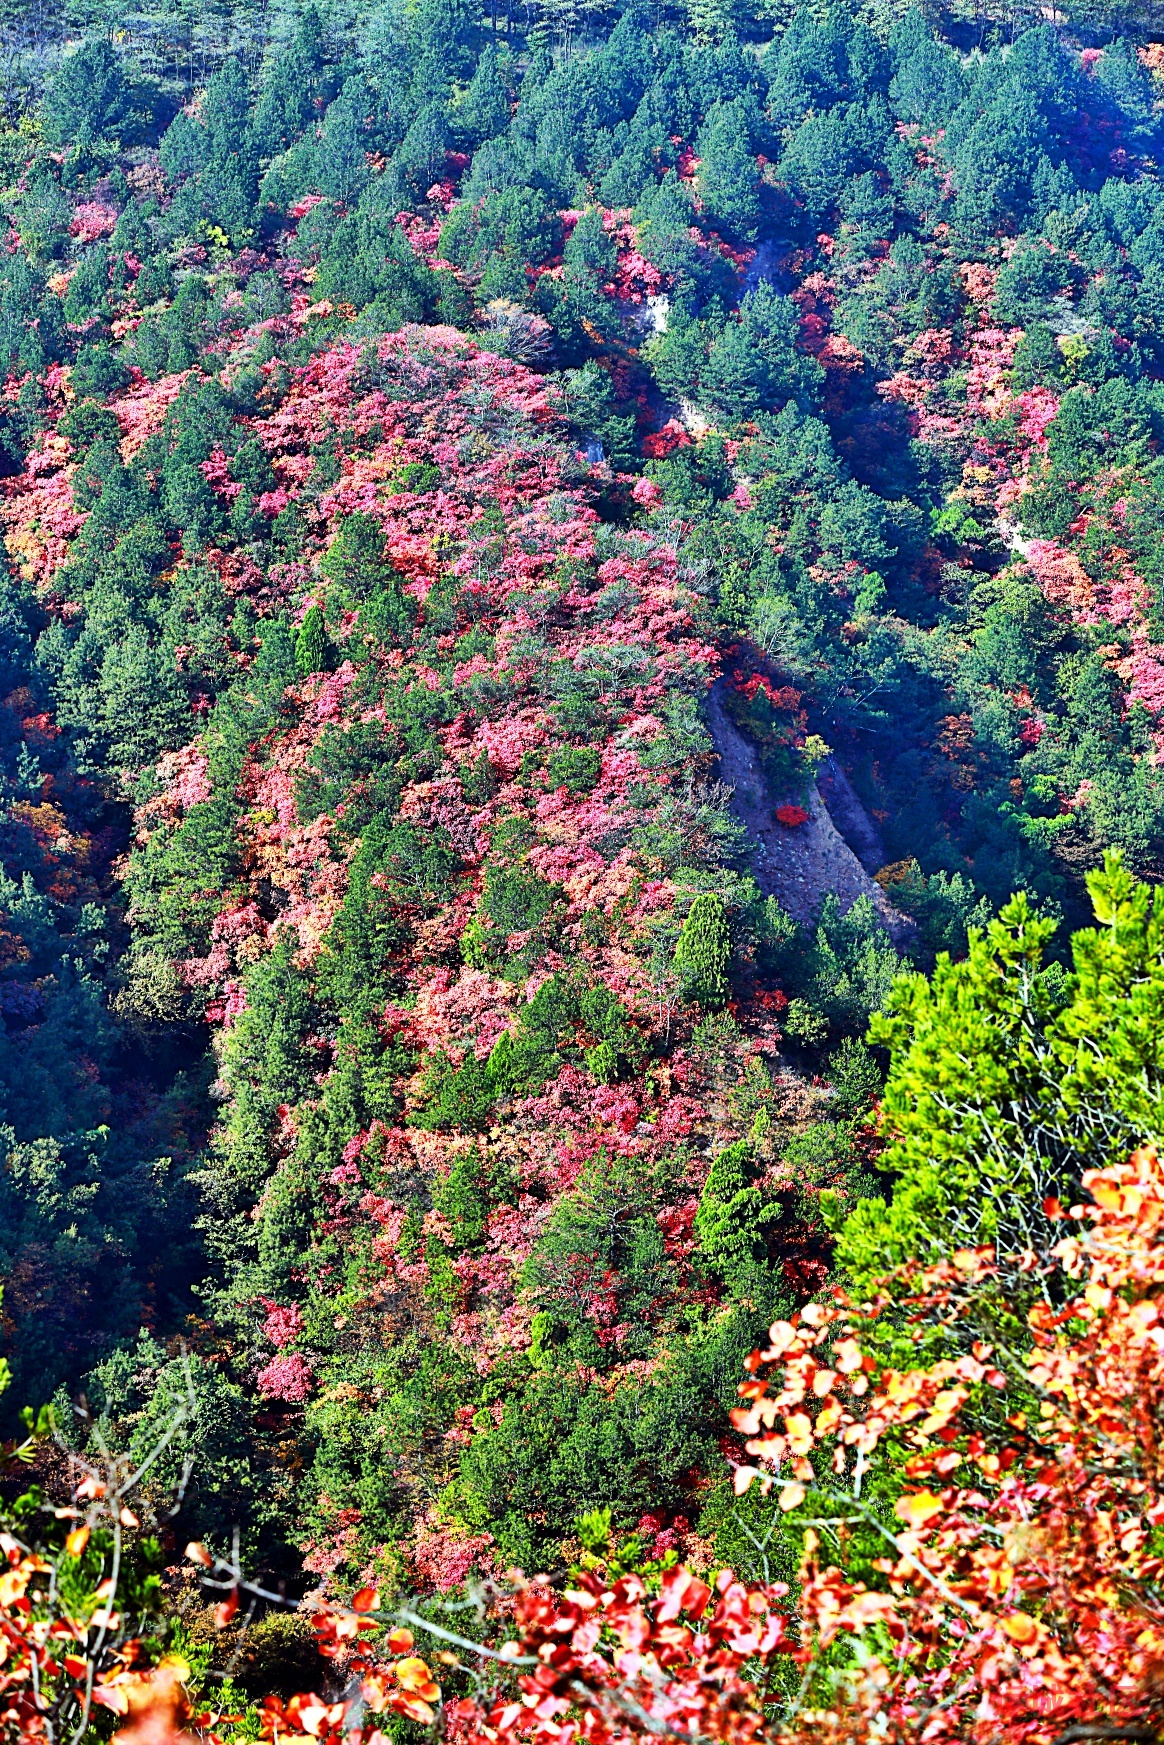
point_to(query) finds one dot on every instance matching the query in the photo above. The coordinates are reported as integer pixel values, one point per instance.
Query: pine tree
(729, 182)
(1037, 358)
(711, 20)
(1009, 1079)
(732, 1220)
(483, 112)
(311, 644)
(703, 949)
(589, 248)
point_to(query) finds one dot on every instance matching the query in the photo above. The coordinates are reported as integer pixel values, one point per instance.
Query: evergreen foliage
(703, 949)
(311, 643)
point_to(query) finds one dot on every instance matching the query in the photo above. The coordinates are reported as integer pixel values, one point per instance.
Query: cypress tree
(311, 644)
(702, 951)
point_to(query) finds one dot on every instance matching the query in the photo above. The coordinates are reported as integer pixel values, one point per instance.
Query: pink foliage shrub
(282, 1325)
(443, 1560)
(288, 1378)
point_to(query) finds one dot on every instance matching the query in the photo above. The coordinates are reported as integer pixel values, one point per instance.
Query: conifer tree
(311, 644)
(703, 949)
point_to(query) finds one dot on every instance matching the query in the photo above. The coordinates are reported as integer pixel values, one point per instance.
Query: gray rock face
(849, 815)
(799, 866)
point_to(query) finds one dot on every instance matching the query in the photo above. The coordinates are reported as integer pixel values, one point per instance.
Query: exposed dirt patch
(849, 815)
(800, 865)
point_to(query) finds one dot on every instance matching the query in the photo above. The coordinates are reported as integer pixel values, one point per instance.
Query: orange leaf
(1019, 1627)
(829, 1416)
(919, 1508)
(375, 1692)
(112, 1696)
(792, 1496)
(768, 1447)
(413, 1674)
(367, 1600)
(76, 1541)
(13, 1583)
(316, 1717)
(799, 1428)
(848, 1355)
(414, 1708)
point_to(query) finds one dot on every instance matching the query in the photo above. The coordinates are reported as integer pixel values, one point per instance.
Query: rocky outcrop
(849, 815)
(800, 865)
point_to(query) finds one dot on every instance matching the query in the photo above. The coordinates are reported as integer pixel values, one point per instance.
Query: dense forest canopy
(582, 611)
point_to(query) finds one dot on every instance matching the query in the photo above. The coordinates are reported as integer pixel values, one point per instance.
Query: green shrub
(576, 767)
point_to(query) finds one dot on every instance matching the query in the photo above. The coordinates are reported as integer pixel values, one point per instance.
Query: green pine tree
(703, 949)
(730, 1223)
(729, 181)
(311, 644)
(1009, 1078)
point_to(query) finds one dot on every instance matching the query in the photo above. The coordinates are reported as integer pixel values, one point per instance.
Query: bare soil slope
(798, 866)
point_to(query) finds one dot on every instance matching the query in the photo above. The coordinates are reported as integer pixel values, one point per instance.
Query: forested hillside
(441, 455)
